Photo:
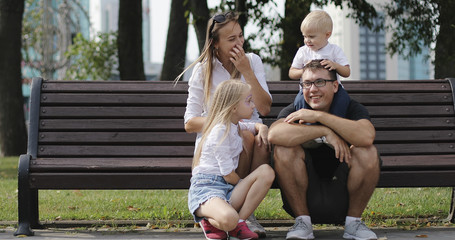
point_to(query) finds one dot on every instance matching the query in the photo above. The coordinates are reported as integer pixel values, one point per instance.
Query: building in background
(104, 18)
(365, 50)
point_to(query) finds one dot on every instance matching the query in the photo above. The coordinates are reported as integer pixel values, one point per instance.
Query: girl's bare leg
(219, 213)
(249, 193)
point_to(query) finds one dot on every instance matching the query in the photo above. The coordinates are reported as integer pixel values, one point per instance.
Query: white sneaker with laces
(254, 226)
(300, 230)
(359, 231)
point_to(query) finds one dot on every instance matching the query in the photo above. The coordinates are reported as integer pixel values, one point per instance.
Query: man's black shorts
(327, 194)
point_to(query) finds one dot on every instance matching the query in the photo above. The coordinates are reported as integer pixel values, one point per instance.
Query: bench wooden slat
(181, 180)
(112, 124)
(114, 87)
(401, 123)
(176, 138)
(410, 162)
(111, 180)
(138, 99)
(184, 163)
(415, 136)
(181, 137)
(412, 123)
(396, 111)
(139, 150)
(177, 112)
(416, 148)
(111, 150)
(383, 99)
(436, 178)
(118, 112)
(155, 164)
(180, 99)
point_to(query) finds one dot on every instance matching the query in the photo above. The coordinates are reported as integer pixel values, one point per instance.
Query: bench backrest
(109, 126)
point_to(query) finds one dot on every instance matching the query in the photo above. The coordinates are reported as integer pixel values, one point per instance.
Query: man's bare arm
(291, 134)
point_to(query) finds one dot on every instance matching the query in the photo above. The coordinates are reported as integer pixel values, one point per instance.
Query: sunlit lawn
(410, 207)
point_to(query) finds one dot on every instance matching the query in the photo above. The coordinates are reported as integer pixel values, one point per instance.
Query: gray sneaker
(254, 226)
(359, 231)
(300, 230)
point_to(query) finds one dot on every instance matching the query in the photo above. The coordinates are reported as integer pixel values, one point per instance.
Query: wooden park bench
(130, 135)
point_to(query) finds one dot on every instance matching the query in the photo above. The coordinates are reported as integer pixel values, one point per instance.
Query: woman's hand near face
(240, 60)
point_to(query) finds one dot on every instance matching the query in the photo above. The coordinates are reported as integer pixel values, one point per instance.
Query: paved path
(192, 233)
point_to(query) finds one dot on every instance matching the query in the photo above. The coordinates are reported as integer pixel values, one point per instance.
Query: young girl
(218, 198)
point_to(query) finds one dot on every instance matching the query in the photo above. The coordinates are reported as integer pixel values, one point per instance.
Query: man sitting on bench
(325, 162)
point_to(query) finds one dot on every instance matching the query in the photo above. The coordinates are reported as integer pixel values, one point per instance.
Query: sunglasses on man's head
(217, 19)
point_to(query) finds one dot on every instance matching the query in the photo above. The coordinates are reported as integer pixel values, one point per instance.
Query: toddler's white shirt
(330, 52)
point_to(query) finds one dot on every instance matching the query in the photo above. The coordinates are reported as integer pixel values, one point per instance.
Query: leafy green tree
(417, 24)
(281, 34)
(48, 28)
(92, 59)
(13, 135)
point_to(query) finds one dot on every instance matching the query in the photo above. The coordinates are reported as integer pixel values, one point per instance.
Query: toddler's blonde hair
(317, 20)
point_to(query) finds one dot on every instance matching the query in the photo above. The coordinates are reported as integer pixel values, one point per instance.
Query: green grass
(389, 207)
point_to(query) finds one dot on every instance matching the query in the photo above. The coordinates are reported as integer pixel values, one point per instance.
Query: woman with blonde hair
(218, 198)
(223, 58)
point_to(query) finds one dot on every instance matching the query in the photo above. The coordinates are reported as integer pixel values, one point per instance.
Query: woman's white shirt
(220, 154)
(195, 106)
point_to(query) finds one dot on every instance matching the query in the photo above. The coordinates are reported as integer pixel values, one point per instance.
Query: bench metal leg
(25, 197)
(451, 217)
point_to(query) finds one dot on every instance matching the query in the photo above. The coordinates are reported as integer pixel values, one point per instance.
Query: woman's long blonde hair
(227, 96)
(209, 52)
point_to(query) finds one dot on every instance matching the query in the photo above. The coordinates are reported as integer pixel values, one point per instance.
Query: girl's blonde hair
(317, 20)
(226, 97)
(209, 52)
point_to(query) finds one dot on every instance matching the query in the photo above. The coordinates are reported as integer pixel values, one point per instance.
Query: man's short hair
(314, 65)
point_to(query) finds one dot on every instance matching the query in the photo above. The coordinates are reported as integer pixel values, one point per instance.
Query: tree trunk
(294, 12)
(177, 36)
(240, 7)
(201, 16)
(13, 134)
(445, 49)
(129, 41)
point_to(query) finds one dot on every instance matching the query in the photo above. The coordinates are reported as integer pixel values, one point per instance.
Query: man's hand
(342, 150)
(303, 116)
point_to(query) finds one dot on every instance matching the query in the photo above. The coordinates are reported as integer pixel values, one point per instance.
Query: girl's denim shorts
(205, 187)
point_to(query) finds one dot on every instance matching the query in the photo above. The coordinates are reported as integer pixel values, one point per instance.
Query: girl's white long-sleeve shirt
(221, 156)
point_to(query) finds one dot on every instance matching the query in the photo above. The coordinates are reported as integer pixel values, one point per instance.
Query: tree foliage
(413, 26)
(281, 34)
(418, 24)
(48, 28)
(92, 59)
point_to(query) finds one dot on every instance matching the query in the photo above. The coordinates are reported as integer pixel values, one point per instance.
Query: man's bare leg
(292, 176)
(363, 178)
